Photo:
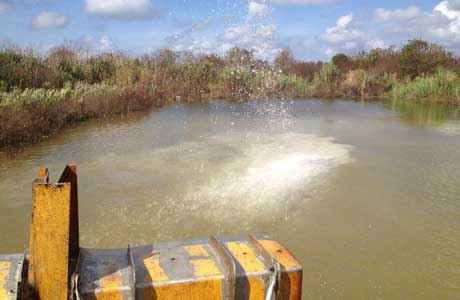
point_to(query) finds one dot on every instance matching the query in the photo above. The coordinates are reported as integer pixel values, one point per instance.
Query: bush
(365, 84)
(236, 82)
(99, 69)
(292, 86)
(419, 57)
(442, 84)
(342, 62)
(285, 61)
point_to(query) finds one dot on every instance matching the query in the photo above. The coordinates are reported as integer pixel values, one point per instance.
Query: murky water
(366, 195)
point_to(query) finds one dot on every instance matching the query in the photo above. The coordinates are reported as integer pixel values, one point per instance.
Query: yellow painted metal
(204, 283)
(291, 283)
(250, 264)
(196, 250)
(192, 270)
(4, 271)
(154, 270)
(204, 267)
(49, 241)
(210, 289)
(246, 257)
(188, 271)
(110, 287)
(52, 244)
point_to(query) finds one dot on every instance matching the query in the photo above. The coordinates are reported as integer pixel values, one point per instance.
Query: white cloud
(441, 25)
(453, 4)
(445, 8)
(95, 45)
(84, 45)
(349, 36)
(4, 7)
(121, 9)
(48, 19)
(345, 32)
(383, 15)
(395, 27)
(257, 10)
(303, 2)
(251, 32)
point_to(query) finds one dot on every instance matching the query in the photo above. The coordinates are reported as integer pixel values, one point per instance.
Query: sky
(312, 29)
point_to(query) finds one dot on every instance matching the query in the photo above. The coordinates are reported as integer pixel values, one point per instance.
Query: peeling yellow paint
(291, 283)
(246, 257)
(284, 257)
(155, 271)
(110, 287)
(250, 264)
(204, 267)
(196, 250)
(4, 271)
(49, 235)
(196, 290)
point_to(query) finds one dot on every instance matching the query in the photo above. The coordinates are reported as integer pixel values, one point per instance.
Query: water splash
(271, 167)
(238, 180)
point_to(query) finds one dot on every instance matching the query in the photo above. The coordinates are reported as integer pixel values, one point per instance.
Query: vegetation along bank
(41, 94)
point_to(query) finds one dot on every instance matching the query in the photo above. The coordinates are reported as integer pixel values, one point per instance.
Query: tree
(418, 57)
(240, 57)
(284, 61)
(342, 62)
(67, 64)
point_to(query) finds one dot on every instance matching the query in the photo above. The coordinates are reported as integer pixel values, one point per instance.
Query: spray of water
(235, 180)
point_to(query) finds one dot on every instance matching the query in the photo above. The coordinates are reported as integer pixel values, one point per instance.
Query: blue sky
(312, 29)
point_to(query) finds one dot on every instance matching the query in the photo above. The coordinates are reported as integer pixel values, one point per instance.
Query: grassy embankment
(39, 95)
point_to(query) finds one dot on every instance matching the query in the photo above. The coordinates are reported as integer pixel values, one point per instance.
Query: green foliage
(284, 61)
(341, 61)
(295, 86)
(419, 57)
(363, 83)
(236, 81)
(240, 57)
(328, 73)
(442, 84)
(100, 69)
(39, 94)
(21, 69)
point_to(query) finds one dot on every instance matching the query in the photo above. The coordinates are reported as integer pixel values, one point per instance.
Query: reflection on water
(442, 116)
(365, 194)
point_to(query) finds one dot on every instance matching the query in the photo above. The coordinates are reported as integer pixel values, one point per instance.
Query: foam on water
(235, 180)
(272, 166)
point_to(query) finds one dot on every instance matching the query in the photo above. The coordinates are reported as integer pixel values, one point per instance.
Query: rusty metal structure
(57, 268)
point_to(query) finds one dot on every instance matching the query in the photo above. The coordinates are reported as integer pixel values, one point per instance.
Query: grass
(443, 85)
(29, 115)
(41, 94)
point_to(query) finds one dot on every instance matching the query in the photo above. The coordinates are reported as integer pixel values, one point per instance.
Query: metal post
(54, 245)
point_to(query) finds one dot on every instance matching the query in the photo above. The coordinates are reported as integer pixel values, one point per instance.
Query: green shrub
(442, 84)
(293, 85)
(236, 81)
(419, 57)
(99, 69)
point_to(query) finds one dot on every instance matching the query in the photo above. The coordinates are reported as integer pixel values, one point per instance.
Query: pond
(365, 194)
